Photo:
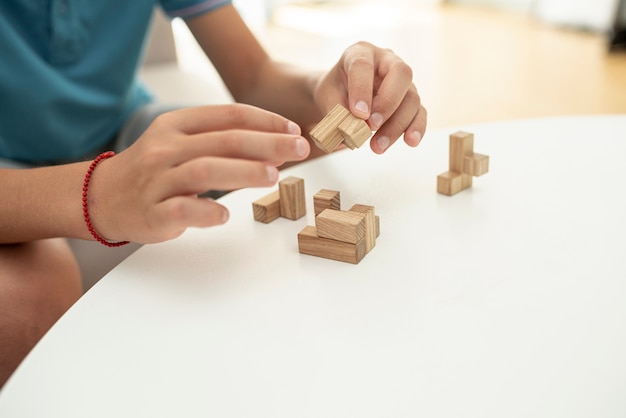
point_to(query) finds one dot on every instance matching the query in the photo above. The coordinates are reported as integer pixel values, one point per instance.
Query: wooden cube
(267, 208)
(325, 134)
(341, 226)
(355, 131)
(370, 224)
(476, 164)
(326, 199)
(450, 183)
(292, 201)
(311, 244)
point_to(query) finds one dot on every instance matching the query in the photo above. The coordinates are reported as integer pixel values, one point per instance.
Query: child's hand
(148, 193)
(376, 85)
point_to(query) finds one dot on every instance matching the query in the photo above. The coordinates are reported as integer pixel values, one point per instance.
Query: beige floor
(470, 64)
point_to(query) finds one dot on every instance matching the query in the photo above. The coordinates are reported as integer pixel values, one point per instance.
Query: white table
(506, 300)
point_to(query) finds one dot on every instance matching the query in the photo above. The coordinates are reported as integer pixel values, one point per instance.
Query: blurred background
(473, 60)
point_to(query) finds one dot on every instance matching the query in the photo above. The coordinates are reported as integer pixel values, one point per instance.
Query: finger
(396, 82)
(214, 173)
(359, 67)
(242, 144)
(200, 119)
(399, 123)
(174, 215)
(415, 132)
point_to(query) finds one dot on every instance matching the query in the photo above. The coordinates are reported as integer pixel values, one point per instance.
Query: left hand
(376, 86)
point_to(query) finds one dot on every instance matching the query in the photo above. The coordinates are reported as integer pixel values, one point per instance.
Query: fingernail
(301, 147)
(272, 174)
(293, 128)
(418, 137)
(382, 142)
(225, 216)
(362, 107)
(376, 120)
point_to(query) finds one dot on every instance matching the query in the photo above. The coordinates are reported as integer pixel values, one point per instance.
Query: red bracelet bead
(97, 236)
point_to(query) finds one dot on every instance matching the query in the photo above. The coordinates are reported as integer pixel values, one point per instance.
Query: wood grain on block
(326, 199)
(449, 183)
(267, 208)
(461, 144)
(355, 131)
(370, 224)
(311, 244)
(476, 164)
(292, 201)
(325, 134)
(340, 225)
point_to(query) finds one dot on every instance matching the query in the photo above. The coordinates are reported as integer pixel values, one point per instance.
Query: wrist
(90, 205)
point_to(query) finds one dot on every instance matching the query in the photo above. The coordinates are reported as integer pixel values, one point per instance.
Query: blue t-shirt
(68, 71)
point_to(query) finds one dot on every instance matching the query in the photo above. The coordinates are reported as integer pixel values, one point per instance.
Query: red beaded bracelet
(92, 167)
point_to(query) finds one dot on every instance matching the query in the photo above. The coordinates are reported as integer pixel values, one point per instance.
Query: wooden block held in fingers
(370, 224)
(311, 244)
(267, 208)
(326, 199)
(476, 164)
(325, 134)
(292, 201)
(355, 131)
(340, 226)
(450, 183)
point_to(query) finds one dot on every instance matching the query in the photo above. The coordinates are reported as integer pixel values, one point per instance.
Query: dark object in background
(618, 34)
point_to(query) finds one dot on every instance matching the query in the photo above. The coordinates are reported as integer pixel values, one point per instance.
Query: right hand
(149, 192)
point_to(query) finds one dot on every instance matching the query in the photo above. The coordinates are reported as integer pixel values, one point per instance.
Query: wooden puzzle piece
(370, 224)
(463, 164)
(288, 201)
(311, 244)
(325, 133)
(340, 226)
(326, 199)
(355, 131)
(292, 201)
(338, 126)
(267, 208)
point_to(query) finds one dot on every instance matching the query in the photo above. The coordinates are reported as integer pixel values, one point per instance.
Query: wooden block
(292, 202)
(461, 144)
(326, 199)
(355, 131)
(476, 164)
(267, 208)
(340, 226)
(449, 183)
(311, 244)
(370, 224)
(377, 226)
(325, 134)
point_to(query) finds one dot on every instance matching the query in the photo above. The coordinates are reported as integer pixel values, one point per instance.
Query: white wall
(597, 15)
(516, 5)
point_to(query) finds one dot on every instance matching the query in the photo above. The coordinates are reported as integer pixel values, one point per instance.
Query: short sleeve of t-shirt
(190, 8)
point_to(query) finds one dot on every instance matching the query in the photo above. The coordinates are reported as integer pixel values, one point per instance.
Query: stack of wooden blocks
(463, 164)
(338, 126)
(288, 201)
(339, 235)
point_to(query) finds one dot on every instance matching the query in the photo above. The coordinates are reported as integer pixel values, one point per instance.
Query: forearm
(42, 203)
(286, 90)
